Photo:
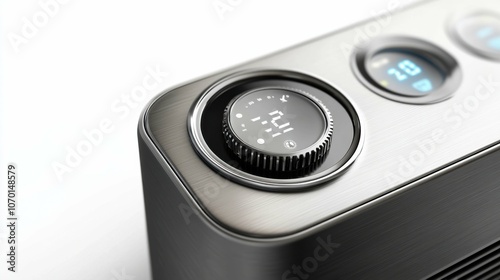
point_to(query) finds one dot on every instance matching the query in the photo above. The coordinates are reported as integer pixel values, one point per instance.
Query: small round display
(404, 73)
(275, 130)
(277, 121)
(480, 33)
(278, 129)
(407, 70)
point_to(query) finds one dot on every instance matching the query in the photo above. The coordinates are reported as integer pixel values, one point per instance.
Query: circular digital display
(277, 121)
(278, 129)
(275, 130)
(480, 33)
(407, 70)
(404, 73)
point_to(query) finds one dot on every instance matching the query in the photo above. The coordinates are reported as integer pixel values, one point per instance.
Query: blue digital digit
(409, 67)
(400, 76)
(424, 85)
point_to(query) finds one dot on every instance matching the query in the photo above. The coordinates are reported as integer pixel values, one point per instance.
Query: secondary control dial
(278, 129)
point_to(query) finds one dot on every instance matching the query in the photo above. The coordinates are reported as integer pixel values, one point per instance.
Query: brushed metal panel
(394, 131)
(411, 234)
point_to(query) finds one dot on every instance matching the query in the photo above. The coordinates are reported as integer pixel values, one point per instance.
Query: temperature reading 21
(277, 122)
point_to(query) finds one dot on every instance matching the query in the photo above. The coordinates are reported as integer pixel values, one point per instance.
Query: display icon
(424, 85)
(290, 144)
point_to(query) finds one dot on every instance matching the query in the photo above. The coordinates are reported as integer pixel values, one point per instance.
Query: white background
(73, 70)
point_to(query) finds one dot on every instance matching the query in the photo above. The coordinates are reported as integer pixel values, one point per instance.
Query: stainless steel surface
(403, 142)
(415, 232)
(423, 194)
